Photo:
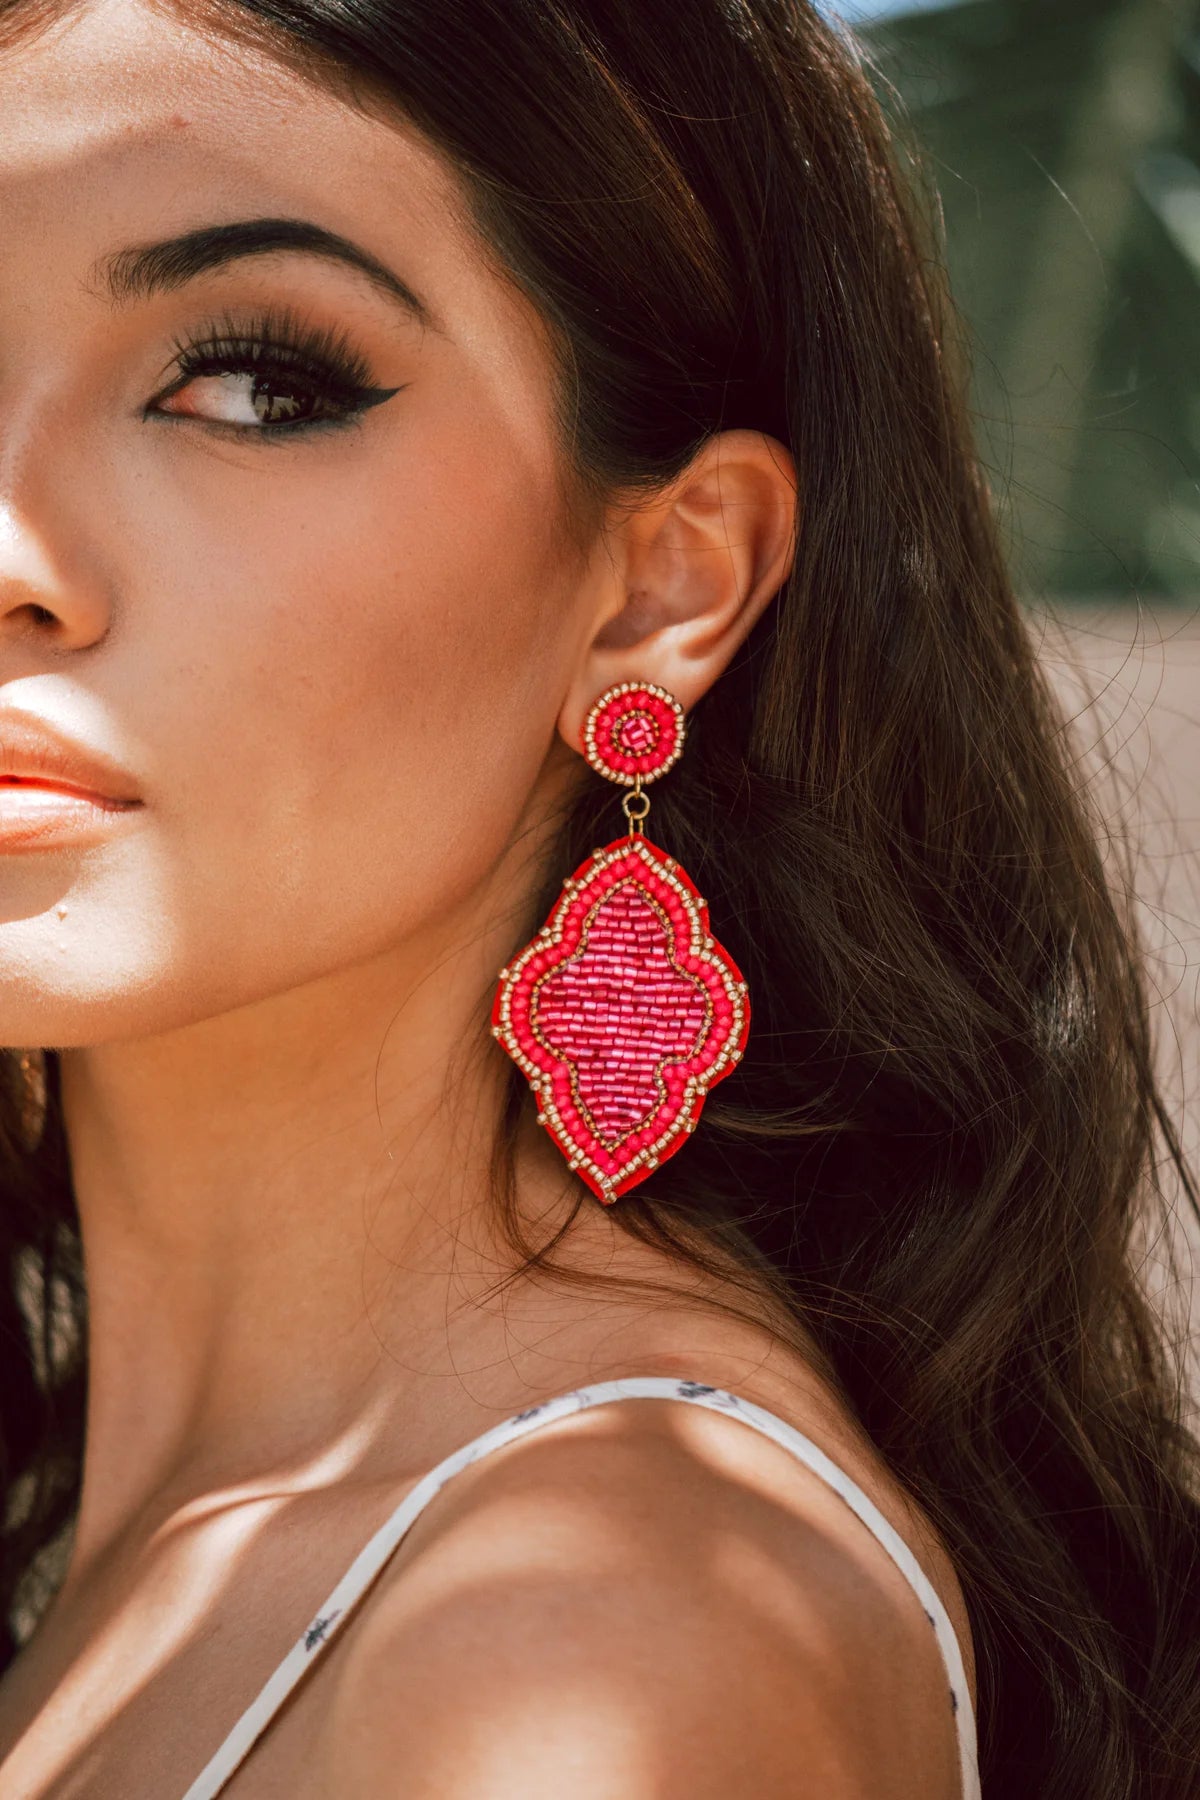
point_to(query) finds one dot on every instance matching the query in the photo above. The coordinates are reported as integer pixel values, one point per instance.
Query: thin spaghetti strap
(375, 1553)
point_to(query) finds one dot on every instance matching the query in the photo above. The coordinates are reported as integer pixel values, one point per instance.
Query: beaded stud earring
(624, 1010)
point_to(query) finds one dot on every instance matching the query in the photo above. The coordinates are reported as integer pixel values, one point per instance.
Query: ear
(689, 573)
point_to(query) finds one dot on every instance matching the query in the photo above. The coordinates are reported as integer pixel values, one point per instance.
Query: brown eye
(251, 398)
(279, 376)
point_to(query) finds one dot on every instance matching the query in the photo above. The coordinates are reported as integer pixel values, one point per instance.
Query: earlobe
(692, 572)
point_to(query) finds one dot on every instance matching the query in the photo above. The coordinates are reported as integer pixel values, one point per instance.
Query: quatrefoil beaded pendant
(624, 1010)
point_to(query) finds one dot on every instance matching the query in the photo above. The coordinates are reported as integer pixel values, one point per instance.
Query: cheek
(358, 679)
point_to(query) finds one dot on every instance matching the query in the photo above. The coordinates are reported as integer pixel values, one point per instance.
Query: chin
(70, 995)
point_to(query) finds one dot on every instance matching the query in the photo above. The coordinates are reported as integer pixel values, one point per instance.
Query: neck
(281, 1207)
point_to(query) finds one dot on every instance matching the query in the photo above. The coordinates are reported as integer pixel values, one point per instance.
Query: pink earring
(624, 1010)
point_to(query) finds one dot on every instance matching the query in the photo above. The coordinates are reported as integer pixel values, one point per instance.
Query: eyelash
(285, 353)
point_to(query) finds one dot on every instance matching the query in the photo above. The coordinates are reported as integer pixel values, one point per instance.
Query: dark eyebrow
(143, 270)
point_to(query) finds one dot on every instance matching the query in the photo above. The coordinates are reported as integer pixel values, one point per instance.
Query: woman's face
(329, 658)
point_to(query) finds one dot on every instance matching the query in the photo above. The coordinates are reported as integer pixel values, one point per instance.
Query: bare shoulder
(640, 1599)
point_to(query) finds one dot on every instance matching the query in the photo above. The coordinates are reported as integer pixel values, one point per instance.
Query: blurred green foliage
(1064, 138)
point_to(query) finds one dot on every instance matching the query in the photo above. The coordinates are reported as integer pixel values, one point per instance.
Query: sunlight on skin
(669, 1632)
(345, 674)
(334, 669)
(191, 1583)
(341, 672)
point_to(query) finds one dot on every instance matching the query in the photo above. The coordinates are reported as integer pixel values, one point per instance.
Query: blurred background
(1064, 140)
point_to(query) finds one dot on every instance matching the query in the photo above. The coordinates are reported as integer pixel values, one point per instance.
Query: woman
(385, 388)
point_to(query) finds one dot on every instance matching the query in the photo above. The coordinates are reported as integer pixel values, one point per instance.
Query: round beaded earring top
(634, 733)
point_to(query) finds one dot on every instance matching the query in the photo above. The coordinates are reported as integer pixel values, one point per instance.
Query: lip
(33, 753)
(52, 787)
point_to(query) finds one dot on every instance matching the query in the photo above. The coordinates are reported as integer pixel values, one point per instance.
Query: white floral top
(331, 1617)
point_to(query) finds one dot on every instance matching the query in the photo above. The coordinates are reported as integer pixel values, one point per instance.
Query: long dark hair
(941, 1147)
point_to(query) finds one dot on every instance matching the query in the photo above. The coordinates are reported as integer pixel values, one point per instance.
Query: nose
(48, 599)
